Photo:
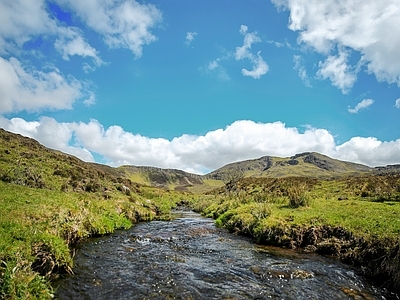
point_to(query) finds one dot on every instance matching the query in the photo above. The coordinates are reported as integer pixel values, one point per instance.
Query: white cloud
(23, 20)
(123, 24)
(190, 37)
(370, 151)
(72, 42)
(336, 68)
(20, 20)
(301, 69)
(368, 27)
(239, 141)
(260, 67)
(397, 104)
(91, 100)
(23, 88)
(362, 105)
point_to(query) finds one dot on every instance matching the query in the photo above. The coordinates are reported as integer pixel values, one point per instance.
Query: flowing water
(189, 258)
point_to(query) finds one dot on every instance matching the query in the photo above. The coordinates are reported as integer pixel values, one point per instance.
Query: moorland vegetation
(355, 219)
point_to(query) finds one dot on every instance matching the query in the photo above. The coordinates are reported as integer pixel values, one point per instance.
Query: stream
(189, 258)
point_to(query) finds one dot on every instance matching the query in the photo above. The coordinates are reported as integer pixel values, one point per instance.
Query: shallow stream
(189, 258)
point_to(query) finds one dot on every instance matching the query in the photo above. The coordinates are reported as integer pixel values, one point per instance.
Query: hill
(309, 164)
(25, 161)
(166, 178)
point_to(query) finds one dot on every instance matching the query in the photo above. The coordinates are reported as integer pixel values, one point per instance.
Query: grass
(37, 226)
(298, 202)
(357, 219)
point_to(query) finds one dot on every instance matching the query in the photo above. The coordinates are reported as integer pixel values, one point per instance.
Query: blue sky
(194, 85)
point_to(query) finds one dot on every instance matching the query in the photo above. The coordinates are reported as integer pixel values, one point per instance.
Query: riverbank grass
(37, 227)
(357, 220)
(314, 203)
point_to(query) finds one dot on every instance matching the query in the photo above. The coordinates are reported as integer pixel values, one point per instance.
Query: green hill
(309, 164)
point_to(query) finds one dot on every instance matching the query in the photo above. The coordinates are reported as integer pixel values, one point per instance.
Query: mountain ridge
(307, 164)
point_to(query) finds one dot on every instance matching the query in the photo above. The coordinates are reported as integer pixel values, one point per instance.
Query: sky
(195, 85)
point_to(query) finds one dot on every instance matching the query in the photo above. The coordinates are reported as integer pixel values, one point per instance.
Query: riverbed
(189, 258)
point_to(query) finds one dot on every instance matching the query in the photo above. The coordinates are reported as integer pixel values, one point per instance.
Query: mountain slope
(25, 161)
(168, 178)
(309, 164)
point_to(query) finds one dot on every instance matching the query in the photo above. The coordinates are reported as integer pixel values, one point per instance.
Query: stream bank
(190, 258)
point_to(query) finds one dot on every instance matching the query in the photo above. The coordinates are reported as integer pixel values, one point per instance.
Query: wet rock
(301, 274)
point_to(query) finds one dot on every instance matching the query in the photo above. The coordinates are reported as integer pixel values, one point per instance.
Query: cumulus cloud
(123, 24)
(337, 69)
(260, 67)
(369, 151)
(23, 88)
(240, 140)
(24, 20)
(190, 37)
(365, 26)
(301, 69)
(362, 105)
(397, 103)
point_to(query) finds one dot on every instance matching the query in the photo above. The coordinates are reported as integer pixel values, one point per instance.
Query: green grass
(318, 205)
(357, 219)
(37, 226)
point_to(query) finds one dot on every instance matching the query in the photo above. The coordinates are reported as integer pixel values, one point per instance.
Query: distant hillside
(168, 178)
(23, 160)
(309, 164)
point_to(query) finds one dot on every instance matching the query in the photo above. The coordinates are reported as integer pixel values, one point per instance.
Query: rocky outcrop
(320, 163)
